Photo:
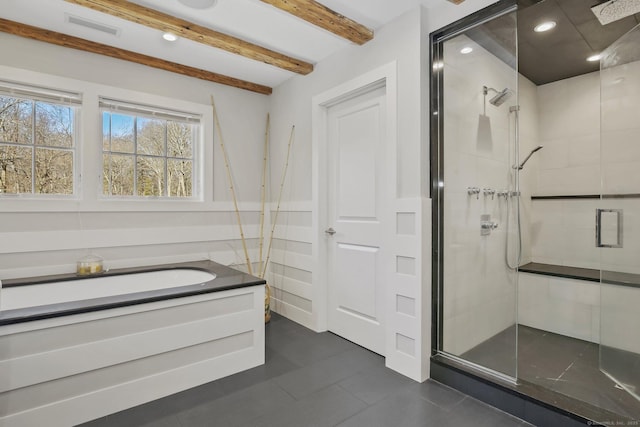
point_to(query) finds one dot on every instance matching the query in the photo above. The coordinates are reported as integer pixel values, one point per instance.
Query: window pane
(122, 133)
(180, 179)
(54, 171)
(106, 174)
(54, 125)
(179, 140)
(162, 151)
(118, 171)
(16, 120)
(106, 131)
(150, 176)
(151, 135)
(15, 169)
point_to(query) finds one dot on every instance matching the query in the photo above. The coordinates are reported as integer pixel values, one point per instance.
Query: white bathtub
(72, 351)
(17, 297)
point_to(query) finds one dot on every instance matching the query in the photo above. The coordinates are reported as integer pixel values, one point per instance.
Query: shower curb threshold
(527, 401)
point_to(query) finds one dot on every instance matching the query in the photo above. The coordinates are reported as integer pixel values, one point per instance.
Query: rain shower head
(521, 165)
(500, 97)
(613, 10)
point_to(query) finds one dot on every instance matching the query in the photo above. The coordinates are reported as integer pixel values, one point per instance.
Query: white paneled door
(356, 192)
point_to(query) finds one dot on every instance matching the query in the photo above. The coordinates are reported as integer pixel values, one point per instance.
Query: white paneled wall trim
(52, 242)
(111, 360)
(407, 295)
(290, 272)
(38, 241)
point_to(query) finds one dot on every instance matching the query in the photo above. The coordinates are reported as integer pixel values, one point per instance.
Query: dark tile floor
(312, 379)
(566, 365)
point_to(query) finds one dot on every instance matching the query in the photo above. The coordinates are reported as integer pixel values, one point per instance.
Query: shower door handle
(609, 228)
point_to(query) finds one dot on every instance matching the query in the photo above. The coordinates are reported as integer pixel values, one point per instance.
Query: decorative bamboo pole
(275, 219)
(233, 191)
(263, 194)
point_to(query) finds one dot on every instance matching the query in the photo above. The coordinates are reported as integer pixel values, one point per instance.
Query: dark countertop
(592, 275)
(226, 278)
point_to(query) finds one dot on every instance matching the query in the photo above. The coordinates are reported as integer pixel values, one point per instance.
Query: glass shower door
(618, 219)
(475, 193)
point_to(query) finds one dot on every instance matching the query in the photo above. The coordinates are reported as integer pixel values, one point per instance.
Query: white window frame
(48, 95)
(115, 106)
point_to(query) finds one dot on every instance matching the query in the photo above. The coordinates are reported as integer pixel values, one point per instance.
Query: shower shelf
(587, 196)
(589, 274)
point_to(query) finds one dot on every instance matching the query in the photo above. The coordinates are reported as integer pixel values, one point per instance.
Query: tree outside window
(37, 147)
(147, 157)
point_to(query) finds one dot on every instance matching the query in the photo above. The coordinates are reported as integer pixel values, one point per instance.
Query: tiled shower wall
(563, 230)
(578, 159)
(479, 288)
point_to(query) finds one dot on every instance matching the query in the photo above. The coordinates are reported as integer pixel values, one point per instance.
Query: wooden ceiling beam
(323, 17)
(40, 34)
(161, 21)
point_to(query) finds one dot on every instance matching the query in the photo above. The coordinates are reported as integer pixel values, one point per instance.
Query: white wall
(398, 42)
(569, 129)
(563, 306)
(50, 236)
(569, 164)
(589, 128)
(404, 41)
(479, 289)
(576, 160)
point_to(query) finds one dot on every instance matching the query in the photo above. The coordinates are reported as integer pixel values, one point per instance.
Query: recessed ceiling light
(544, 26)
(199, 4)
(594, 58)
(170, 37)
(466, 49)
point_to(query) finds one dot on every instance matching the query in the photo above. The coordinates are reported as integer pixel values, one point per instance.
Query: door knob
(330, 231)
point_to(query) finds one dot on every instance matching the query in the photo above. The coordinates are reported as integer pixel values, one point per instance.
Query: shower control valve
(489, 225)
(489, 192)
(486, 225)
(473, 190)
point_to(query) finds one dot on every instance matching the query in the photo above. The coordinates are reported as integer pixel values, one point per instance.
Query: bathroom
(49, 236)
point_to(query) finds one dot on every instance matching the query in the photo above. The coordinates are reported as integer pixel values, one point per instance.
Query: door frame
(384, 76)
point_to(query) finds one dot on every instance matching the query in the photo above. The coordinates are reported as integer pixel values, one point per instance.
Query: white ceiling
(251, 20)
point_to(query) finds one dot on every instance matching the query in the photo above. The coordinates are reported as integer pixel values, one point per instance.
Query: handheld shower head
(521, 165)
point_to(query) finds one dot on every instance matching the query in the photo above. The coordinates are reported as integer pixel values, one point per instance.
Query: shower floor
(565, 365)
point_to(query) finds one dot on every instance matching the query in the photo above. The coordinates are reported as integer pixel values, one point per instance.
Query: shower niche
(536, 189)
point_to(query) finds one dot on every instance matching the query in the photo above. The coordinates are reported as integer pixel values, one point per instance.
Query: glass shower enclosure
(618, 217)
(485, 132)
(477, 193)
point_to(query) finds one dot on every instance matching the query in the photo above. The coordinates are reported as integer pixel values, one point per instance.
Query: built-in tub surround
(35, 298)
(69, 362)
(87, 288)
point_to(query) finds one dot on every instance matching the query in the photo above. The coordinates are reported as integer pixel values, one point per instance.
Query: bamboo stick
(263, 194)
(275, 219)
(233, 191)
